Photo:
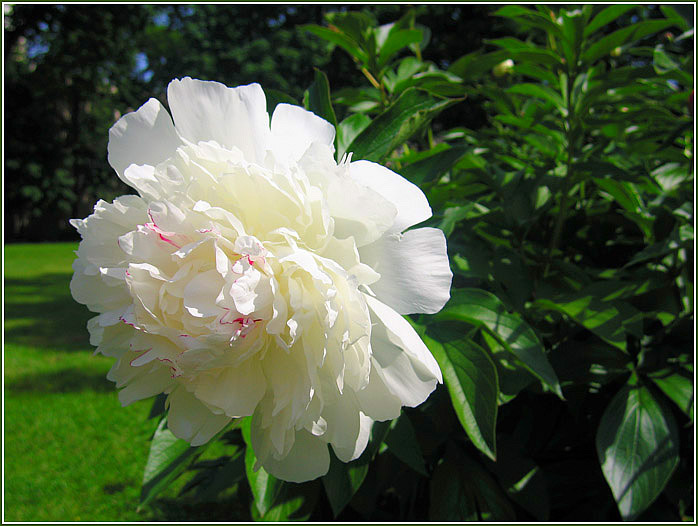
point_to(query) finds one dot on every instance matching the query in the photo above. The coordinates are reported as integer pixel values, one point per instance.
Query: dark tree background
(72, 70)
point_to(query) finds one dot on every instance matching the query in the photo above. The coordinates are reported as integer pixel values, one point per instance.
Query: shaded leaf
(678, 387)
(169, 456)
(344, 479)
(402, 442)
(409, 113)
(482, 308)
(317, 98)
(471, 379)
(265, 487)
(637, 445)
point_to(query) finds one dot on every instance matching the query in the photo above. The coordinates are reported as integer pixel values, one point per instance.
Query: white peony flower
(253, 275)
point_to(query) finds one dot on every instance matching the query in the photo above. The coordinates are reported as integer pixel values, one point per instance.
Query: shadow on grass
(40, 311)
(64, 381)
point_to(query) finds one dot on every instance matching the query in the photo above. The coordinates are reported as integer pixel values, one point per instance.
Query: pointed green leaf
(606, 16)
(481, 308)
(342, 40)
(347, 131)
(402, 442)
(265, 487)
(409, 113)
(344, 479)
(623, 36)
(637, 445)
(169, 456)
(678, 387)
(317, 98)
(471, 379)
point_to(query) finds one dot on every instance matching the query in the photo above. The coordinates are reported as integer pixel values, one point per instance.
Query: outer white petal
(414, 269)
(411, 203)
(376, 399)
(233, 117)
(308, 459)
(295, 129)
(191, 420)
(146, 136)
(156, 380)
(408, 368)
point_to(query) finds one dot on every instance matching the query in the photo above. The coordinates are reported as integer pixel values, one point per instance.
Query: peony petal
(148, 384)
(411, 203)
(408, 368)
(146, 136)
(401, 333)
(414, 269)
(308, 459)
(236, 390)
(295, 129)
(191, 420)
(376, 399)
(233, 117)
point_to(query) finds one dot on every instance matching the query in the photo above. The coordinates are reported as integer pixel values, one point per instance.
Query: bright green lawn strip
(72, 453)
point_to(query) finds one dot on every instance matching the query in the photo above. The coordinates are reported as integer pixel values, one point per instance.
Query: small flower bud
(503, 68)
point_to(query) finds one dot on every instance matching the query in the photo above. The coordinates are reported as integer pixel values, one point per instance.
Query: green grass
(72, 453)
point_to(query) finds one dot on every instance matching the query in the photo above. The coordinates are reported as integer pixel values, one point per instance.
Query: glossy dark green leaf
(169, 456)
(275, 97)
(471, 379)
(606, 16)
(678, 387)
(396, 41)
(612, 321)
(449, 498)
(623, 36)
(265, 487)
(482, 308)
(317, 98)
(637, 445)
(336, 37)
(522, 479)
(402, 442)
(432, 167)
(408, 114)
(295, 502)
(348, 129)
(344, 479)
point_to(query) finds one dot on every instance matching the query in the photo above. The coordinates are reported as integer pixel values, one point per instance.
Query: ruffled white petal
(411, 203)
(414, 269)
(236, 390)
(210, 111)
(308, 459)
(146, 136)
(191, 420)
(407, 367)
(294, 129)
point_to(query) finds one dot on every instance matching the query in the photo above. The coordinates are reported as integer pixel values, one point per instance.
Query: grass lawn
(72, 453)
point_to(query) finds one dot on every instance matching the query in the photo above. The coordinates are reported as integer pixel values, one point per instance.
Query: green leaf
(348, 129)
(169, 456)
(482, 308)
(402, 442)
(637, 445)
(678, 387)
(396, 41)
(449, 498)
(344, 479)
(295, 502)
(623, 36)
(628, 197)
(606, 16)
(521, 478)
(541, 92)
(265, 487)
(432, 167)
(317, 98)
(409, 113)
(275, 97)
(609, 320)
(471, 378)
(346, 43)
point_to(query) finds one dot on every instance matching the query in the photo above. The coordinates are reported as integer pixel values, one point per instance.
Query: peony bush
(524, 351)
